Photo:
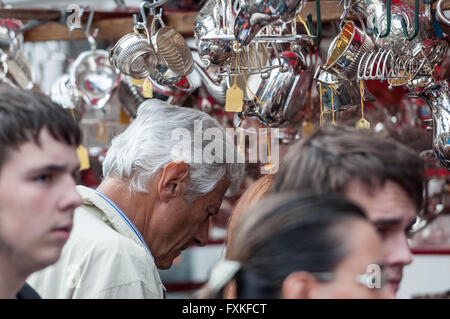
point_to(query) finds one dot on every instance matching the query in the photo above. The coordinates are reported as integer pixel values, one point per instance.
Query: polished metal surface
(344, 61)
(339, 94)
(133, 55)
(208, 24)
(93, 75)
(19, 72)
(171, 48)
(254, 15)
(440, 14)
(129, 96)
(437, 97)
(282, 96)
(65, 94)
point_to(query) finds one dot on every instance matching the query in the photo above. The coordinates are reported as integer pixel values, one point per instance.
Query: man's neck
(136, 206)
(10, 281)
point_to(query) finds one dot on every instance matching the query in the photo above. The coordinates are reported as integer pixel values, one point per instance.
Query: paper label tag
(101, 132)
(234, 99)
(124, 119)
(363, 124)
(83, 157)
(148, 89)
(308, 128)
(137, 81)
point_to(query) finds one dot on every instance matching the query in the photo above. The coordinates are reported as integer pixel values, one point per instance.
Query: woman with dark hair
(310, 246)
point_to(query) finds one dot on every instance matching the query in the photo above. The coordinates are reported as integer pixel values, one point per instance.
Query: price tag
(137, 81)
(124, 119)
(148, 89)
(234, 99)
(363, 124)
(308, 128)
(83, 157)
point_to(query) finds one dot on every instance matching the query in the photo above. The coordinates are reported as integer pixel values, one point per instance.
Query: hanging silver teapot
(281, 97)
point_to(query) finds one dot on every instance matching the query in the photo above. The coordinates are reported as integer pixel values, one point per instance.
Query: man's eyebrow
(387, 221)
(50, 168)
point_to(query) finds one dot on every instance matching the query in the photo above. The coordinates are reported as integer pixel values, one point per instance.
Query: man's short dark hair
(334, 156)
(24, 114)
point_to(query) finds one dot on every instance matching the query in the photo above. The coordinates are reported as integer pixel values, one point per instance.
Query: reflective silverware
(171, 47)
(437, 97)
(346, 50)
(65, 94)
(282, 96)
(92, 74)
(207, 23)
(133, 55)
(339, 94)
(253, 15)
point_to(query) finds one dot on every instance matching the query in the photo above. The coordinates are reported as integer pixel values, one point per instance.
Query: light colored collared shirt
(103, 258)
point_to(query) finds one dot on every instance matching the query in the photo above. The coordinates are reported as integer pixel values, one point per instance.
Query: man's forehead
(388, 203)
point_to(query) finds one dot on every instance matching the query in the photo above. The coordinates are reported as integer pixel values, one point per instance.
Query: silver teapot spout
(437, 98)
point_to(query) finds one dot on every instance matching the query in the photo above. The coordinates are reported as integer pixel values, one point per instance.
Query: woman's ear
(297, 285)
(172, 178)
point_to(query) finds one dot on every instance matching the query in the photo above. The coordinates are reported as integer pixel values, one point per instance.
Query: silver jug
(282, 96)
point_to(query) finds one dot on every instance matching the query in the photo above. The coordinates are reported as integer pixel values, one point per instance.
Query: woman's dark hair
(286, 233)
(24, 114)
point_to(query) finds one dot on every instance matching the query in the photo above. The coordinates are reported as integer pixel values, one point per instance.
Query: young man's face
(393, 213)
(37, 201)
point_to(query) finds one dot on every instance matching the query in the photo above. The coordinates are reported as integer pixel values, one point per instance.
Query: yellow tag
(363, 124)
(83, 157)
(124, 119)
(148, 89)
(137, 81)
(101, 132)
(234, 100)
(308, 128)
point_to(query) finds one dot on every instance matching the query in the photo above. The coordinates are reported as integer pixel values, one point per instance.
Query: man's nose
(70, 199)
(201, 238)
(399, 252)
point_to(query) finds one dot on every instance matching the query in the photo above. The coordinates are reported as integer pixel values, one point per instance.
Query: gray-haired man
(155, 201)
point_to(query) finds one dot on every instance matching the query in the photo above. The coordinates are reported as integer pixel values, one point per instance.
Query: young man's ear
(171, 183)
(297, 285)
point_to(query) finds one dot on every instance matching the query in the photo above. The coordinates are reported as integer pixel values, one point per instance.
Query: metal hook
(91, 37)
(319, 22)
(416, 23)
(388, 22)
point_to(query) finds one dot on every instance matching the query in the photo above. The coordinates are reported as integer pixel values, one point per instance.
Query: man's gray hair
(148, 144)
